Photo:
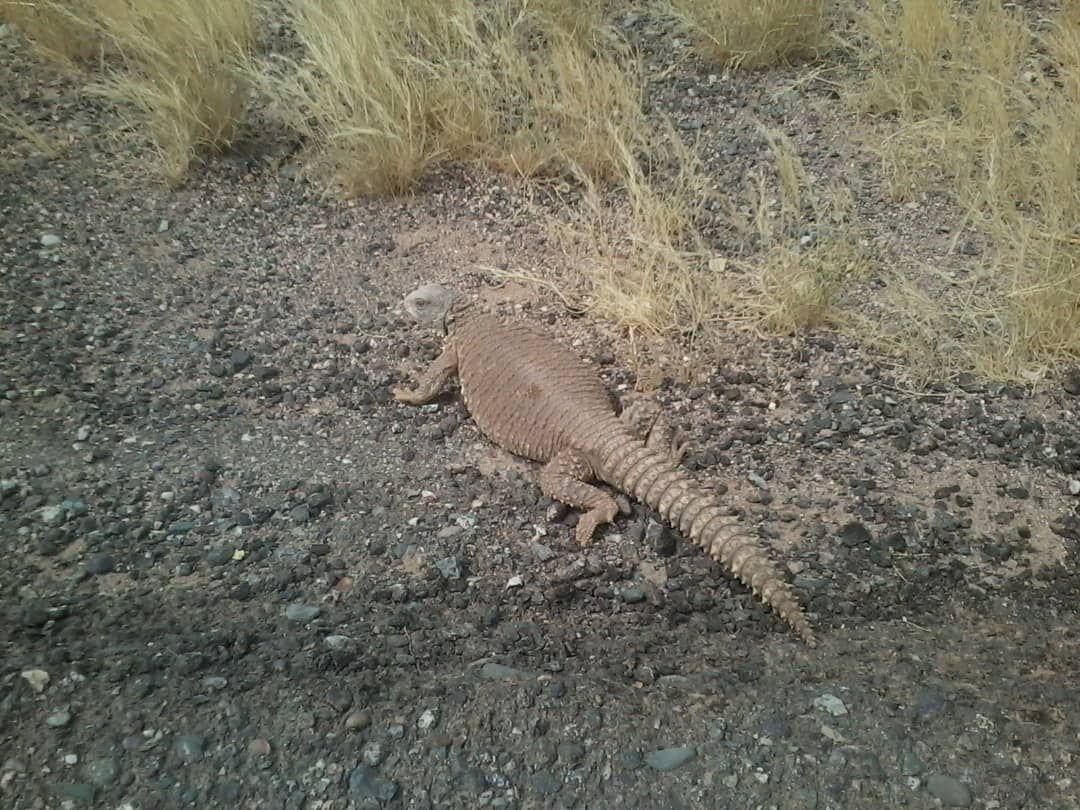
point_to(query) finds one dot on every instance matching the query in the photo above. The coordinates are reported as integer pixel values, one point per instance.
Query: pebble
(667, 759)
(855, 534)
(1071, 384)
(239, 360)
(830, 704)
(58, 719)
(449, 568)
(302, 613)
(49, 240)
(494, 672)
(427, 719)
(571, 752)
(952, 792)
(337, 642)
(53, 515)
(633, 595)
(80, 792)
(1074, 486)
(37, 678)
(358, 720)
(300, 514)
(102, 772)
(100, 564)
(189, 747)
(259, 747)
(544, 783)
(365, 782)
(373, 753)
(220, 555)
(542, 552)
(910, 764)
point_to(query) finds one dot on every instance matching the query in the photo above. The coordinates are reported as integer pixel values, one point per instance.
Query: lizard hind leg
(565, 478)
(645, 419)
(432, 381)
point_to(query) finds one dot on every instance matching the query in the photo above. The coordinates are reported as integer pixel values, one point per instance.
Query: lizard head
(430, 304)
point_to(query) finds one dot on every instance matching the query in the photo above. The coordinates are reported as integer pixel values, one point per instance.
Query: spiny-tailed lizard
(534, 397)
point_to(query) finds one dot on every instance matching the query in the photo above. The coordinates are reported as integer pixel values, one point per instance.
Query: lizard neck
(459, 312)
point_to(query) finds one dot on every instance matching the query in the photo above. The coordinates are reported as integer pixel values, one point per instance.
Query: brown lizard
(534, 397)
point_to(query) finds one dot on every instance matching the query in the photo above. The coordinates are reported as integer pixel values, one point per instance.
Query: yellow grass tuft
(986, 109)
(179, 78)
(387, 88)
(11, 121)
(61, 32)
(748, 34)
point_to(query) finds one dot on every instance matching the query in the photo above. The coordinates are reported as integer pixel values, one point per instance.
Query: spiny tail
(655, 480)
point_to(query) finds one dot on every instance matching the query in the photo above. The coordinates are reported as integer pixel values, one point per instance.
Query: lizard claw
(405, 395)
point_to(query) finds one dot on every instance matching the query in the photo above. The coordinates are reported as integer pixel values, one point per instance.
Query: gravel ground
(239, 575)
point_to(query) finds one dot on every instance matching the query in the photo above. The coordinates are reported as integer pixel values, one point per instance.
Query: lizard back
(525, 390)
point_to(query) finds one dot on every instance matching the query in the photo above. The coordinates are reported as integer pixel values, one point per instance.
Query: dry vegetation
(967, 98)
(386, 88)
(174, 69)
(971, 100)
(746, 34)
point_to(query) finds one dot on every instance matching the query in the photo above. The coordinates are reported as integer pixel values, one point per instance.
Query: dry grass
(172, 67)
(11, 121)
(796, 282)
(60, 32)
(180, 80)
(979, 105)
(387, 88)
(749, 34)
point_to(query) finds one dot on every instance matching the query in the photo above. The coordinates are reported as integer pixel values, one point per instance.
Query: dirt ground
(237, 574)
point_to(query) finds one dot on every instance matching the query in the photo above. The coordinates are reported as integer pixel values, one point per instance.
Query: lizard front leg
(432, 380)
(564, 479)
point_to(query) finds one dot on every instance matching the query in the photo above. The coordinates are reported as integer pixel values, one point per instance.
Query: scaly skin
(533, 397)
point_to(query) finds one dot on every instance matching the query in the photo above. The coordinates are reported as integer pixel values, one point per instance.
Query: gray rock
(544, 553)
(494, 672)
(910, 764)
(631, 760)
(58, 719)
(300, 514)
(952, 792)
(80, 792)
(855, 534)
(449, 568)
(365, 782)
(571, 752)
(239, 360)
(373, 753)
(544, 783)
(667, 759)
(74, 507)
(54, 515)
(219, 555)
(302, 613)
(633, 595)
(102, 772)
(831, 704)
(189, 747)
(338, 642)
(101, 564)
(49, 240)
(228, 792)
(1074, 486)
